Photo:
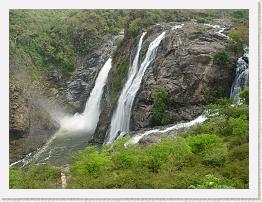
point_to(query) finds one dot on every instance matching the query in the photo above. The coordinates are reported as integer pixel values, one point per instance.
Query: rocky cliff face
(184, 66)
(30, 125)
(83, 80)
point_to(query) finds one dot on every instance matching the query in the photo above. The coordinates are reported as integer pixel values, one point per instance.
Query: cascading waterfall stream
(135, 139)
(87, 121)
(75, 131)
(241, 77)
(121, 118)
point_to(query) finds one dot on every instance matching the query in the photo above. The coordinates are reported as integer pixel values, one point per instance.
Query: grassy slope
(211, 155)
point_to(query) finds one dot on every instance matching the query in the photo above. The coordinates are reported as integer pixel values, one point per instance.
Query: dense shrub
(210, 182)
(90, 163)
(167, 153)
(238, 172)
(120, 76)
(161, 102)
(215, 155)
(206, 157)
(238, 39)
(37, 176)
(221, 58)
(203, 142)
(240, 14)
(201, 20)
(215, 95)
(239, 152)
(244, 95)
(239, 129)
(135, 27)
(55, 38)
(123, 160)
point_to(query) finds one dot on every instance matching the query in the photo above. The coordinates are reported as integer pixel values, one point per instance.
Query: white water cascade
(135, 139)
(241, 78)
(64, 140)
(219, 30)
(120, 121)
(87, 121)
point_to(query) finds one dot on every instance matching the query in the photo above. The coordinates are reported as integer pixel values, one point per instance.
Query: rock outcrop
(30, 125)
(184, 66)
(83, 80)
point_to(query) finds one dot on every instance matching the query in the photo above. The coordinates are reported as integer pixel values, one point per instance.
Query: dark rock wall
(184, 65)
(83, 80)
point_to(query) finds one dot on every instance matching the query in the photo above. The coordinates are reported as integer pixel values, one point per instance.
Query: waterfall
(121, 118)
(87, 121)
(135, 139)
(241, 78)
(79, 124)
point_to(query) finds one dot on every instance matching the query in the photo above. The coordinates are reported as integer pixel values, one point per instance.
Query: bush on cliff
(221, 57)
(161, 102)
(238, 39)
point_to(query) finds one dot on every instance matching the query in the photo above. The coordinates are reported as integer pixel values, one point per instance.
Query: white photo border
(251, 193)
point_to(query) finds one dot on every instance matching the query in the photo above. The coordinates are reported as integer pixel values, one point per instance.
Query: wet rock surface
(81, 83)
(185, 67)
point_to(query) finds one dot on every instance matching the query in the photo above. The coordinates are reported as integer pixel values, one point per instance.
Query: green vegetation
(212, 155)
(201, 30)
(119, 78)
(135, 27)
(221, 57)
(211, 182)
(122, 73)
(38, 176)
(239, 14)
(201, 20)
(55, 38)
(239, 35)
(161, 102)
(244, 95)
(239, 38)
(215, 95)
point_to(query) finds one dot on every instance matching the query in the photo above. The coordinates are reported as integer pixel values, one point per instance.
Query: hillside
(137, 71)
